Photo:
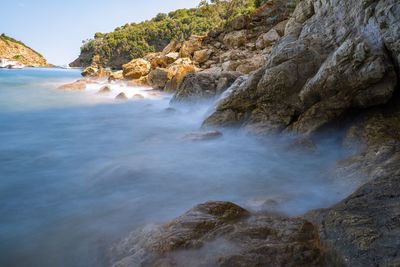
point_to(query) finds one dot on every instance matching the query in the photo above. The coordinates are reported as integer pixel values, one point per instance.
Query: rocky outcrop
(14, 50)
(240, 240)
(136, 69)
(203, 85)
(323, 68)
(96, 72)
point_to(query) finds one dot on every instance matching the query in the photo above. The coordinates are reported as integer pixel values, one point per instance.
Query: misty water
(79, 170)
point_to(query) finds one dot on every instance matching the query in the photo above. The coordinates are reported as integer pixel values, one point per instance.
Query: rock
(235, 39)
(182, 61)
(142, 82)
(159, 77)
(173, 56)
(121, 96)
(322, 69)
(92, 71)
(204, 85)
(280, 27)
(267, 39)
(190, 46)
(138, 96)
(116, 76)
(179, 72)
(136, 69)
(162, 61)
(202, 56)
(251, 64)
(172, 47)
(230, 65)
(202, 136)
(105, 89)
(240, 22)
(262, 240)
(89, 71)
(77, 85)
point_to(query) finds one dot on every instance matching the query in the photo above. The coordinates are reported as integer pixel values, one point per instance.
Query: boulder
(162, 61)
(190, 46)
(202, 56)
(116, 76)
(239, 23)
(95, 72)
(178, 72)
(267, 39)
(235, 39)
(172, 47)
(159, 77)
(251, 64)
(261, 240)
(105, 89)
(138, 96)
(204, 85)
(142, 81)
(90, 71)
(136, 68)
(121, 96)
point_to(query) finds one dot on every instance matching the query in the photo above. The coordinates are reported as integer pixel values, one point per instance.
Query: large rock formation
(335, 58)
(12, 49)
(239, 240)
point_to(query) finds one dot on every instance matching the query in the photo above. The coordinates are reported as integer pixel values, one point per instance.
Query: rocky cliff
(336, 67)
(17, 51)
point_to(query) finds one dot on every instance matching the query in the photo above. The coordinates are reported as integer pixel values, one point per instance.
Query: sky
(56, 28)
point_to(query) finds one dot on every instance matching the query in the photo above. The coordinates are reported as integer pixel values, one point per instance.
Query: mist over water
(79, 170)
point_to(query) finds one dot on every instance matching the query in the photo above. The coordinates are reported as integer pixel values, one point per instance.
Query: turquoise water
(78, 172)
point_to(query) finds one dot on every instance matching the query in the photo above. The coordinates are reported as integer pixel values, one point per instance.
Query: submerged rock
(138, 96)
(77, 85)
(105, 89)
(121, 96)
(202, 136)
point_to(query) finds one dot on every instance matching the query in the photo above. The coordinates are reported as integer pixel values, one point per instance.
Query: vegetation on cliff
(137, 39)
(13, 49)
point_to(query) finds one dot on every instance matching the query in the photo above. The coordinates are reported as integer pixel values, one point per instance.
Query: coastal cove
(80, 170)
(231, 133)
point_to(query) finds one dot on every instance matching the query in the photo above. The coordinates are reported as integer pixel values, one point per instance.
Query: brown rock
(235, 39)
(116, 76)
(202, 56)
(159, 77)
(104, 89)
(261, 240)
(190, 46)
(138, 96)
(121, 96)
(136, 69)
(77, 85)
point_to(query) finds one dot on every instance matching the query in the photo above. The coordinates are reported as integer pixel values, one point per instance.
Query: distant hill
(16, 50)
(137, 39)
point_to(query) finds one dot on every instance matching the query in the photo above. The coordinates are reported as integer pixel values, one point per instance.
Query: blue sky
(56, 28)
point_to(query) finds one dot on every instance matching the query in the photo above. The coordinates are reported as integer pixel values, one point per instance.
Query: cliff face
(14, 50)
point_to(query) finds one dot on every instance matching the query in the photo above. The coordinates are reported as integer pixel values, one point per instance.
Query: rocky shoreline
(329, 65)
